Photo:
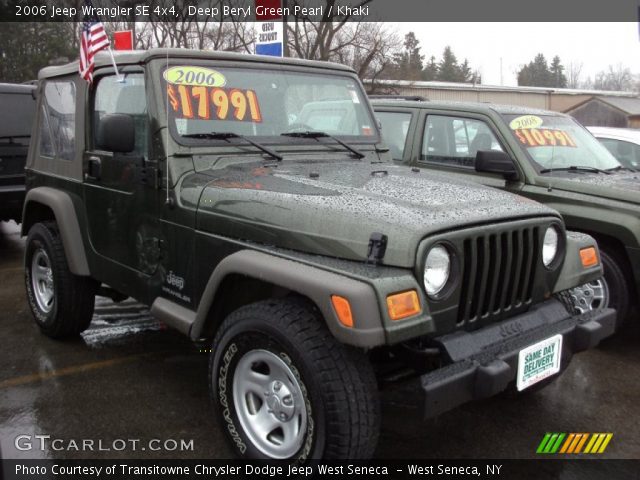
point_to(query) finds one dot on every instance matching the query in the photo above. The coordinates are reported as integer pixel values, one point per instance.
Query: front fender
(573, 273)
(316, 284)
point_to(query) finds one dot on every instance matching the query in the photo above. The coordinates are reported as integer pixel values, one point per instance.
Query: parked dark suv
(17, 104)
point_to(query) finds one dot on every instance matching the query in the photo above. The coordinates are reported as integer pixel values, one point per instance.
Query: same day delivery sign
(269, 28)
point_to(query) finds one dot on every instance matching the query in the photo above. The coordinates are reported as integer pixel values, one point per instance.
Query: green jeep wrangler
(200, 184)
(543, 155)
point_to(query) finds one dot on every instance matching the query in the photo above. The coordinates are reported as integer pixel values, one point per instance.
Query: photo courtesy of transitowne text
(319, 239)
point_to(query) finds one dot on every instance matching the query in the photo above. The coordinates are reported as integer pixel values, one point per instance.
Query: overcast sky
(595, 45)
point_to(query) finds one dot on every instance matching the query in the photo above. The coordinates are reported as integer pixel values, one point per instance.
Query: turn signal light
(343, 310)
(589, 257)
(403, 305)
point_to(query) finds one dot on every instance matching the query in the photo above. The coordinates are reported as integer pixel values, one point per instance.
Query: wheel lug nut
(288, 401)
(283, 417)
(277, 386)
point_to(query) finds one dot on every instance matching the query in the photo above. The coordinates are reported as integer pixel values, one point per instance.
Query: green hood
(332, 208)
(622, 186)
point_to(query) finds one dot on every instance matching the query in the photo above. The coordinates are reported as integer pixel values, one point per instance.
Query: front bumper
(484, 363)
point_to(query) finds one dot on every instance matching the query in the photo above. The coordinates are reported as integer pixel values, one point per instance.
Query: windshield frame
(273, 140)
(508, 117)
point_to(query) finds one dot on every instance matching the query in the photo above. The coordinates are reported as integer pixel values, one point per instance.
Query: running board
(174, 315)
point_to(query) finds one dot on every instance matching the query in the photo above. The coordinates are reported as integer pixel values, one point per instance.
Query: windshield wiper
(619, 168)
(318, 135)
(575, 168)
(227, 135)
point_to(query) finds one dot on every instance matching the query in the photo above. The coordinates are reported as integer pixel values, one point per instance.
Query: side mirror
(493, 161)
(116, 133)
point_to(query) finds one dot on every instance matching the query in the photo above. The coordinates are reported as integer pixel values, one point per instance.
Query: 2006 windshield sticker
(205, 103)
(544, 137)
(194, 76)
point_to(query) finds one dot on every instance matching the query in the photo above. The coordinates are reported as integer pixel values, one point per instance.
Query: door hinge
(377, 248)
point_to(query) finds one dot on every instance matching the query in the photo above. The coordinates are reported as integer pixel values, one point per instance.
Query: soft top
(134, 57)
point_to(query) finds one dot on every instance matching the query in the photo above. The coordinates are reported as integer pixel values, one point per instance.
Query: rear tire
(286, 389)
(61, 302)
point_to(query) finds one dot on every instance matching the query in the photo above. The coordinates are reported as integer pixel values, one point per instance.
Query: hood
(332, 208)
(621, 186)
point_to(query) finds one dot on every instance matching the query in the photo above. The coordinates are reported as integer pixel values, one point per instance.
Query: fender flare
(315, 283)
(65, 214)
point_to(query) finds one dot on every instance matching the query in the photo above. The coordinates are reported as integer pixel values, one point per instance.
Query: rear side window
(395, 126)
(455, 141)
(58, 125)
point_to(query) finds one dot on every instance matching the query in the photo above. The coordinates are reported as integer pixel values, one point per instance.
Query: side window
(128, 97)
(456, 141)
(627, 153)
(395, 126)
(58, 126)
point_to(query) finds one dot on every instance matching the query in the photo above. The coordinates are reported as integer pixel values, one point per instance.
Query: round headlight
(436, 270)
(550, 246)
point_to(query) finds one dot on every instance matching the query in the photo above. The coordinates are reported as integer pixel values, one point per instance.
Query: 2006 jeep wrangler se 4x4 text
(212, 187)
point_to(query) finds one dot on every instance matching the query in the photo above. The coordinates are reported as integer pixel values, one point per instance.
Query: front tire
(617, 283)
(61, 302)
(286, 389)
(611, 290)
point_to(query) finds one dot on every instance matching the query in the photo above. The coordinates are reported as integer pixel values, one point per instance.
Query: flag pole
(115, 66)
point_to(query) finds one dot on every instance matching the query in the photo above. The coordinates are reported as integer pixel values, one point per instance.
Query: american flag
(92, 39)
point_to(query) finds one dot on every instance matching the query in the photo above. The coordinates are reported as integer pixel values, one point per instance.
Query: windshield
(265, 103)
(559, 142)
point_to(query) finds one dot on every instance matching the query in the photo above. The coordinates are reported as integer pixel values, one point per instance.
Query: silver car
(623, 143)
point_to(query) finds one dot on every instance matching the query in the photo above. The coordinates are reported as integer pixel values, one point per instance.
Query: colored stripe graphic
(574, 443)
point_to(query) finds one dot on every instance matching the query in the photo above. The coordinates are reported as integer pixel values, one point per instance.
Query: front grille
(498, 272)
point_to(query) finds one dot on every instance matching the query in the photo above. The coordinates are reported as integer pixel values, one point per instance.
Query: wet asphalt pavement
(129, 378)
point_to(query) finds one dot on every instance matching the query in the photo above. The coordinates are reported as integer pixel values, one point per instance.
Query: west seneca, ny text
(129, 471)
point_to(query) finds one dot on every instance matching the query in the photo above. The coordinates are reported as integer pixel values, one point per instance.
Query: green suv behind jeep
(543, 155)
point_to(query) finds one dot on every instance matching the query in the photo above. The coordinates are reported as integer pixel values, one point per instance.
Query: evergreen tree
(25, 48)
(430, 72)
(448, 68)
(408, 63)
(538, 73)
(558, 77)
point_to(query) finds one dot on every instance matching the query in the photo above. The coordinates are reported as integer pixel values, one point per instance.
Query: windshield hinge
(377, 248)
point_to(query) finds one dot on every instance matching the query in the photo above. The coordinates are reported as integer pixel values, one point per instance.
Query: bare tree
(319, 40)
(368, 47)
(617, 78)
(574, 72)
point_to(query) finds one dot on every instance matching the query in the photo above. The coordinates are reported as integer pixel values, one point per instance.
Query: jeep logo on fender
(175, 280)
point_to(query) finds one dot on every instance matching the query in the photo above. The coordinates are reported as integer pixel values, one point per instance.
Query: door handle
(94, 168)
